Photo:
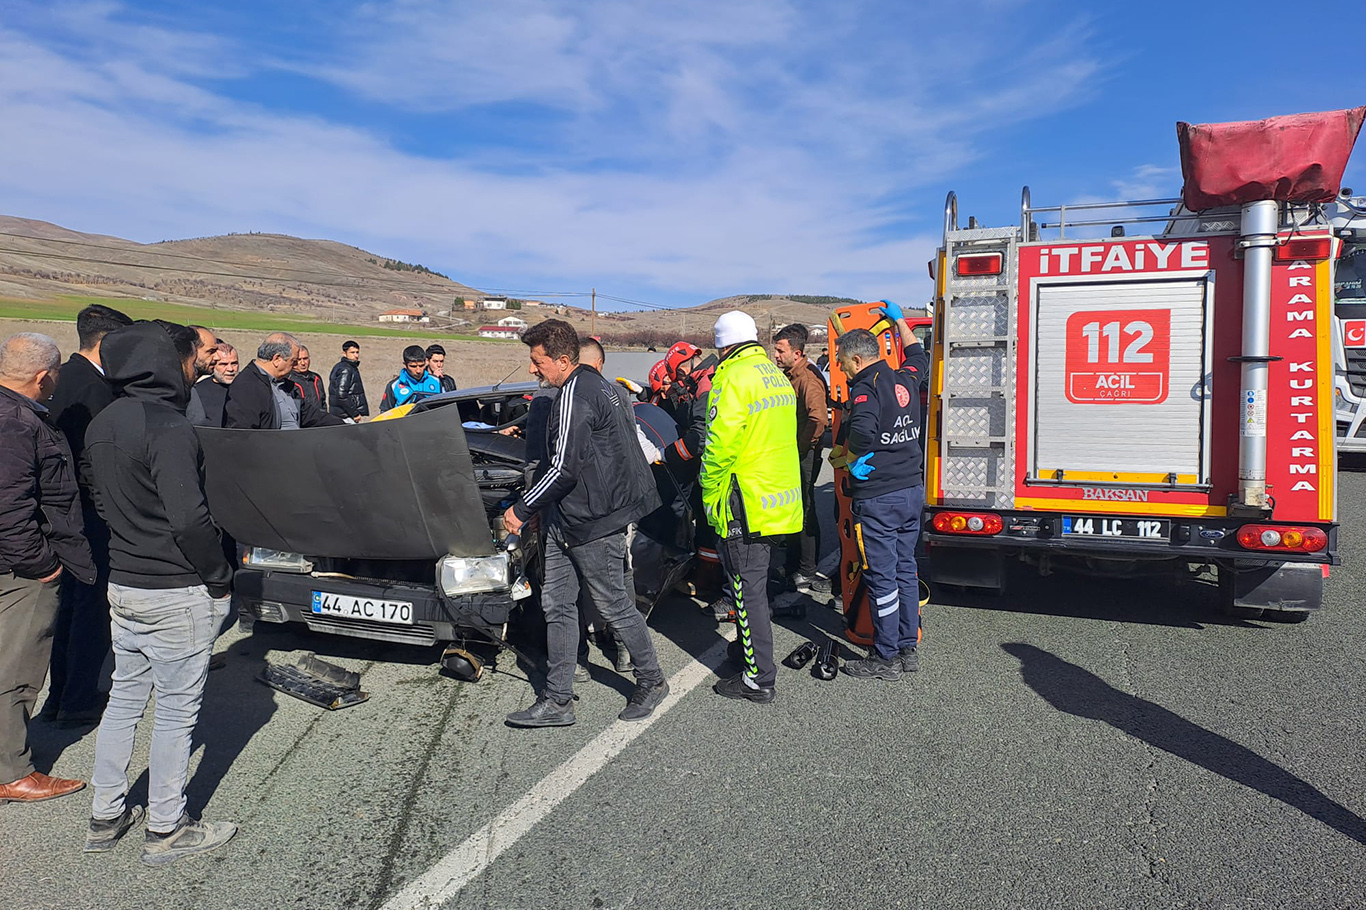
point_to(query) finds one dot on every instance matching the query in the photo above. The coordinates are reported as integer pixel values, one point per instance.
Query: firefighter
(751, 489)
(880, 445)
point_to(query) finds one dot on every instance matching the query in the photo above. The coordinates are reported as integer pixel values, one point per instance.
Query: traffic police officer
(881, 444)
(751, 489)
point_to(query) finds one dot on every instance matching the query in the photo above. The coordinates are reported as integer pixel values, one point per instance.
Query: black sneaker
(644, 700)
(874, 667)
(621, 661)
(582, 671)
(737, 687)
(105, 833)
(910, 659)
(546, 712)
(813, 584)
(190, 836)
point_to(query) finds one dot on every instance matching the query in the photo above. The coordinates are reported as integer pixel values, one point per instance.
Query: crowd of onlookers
(107, 544)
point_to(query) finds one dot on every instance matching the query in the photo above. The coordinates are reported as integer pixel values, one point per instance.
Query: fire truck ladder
(978, 409)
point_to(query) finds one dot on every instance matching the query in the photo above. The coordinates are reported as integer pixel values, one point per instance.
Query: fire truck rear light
(978, 264)
(1294, 540)
(983, 523)
(1304, 248)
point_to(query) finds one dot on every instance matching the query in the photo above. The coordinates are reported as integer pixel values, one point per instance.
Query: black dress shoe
(736, 687)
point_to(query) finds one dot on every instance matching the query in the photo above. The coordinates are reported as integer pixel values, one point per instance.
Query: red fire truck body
(1091, 406)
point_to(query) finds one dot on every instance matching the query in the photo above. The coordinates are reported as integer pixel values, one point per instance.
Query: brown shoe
(38, 787)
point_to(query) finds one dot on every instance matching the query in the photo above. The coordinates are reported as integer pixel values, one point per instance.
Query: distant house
(527, 303)
(515, 322)
(815, 331)
(404, 316)
(499, 331)
(495, 303)
(469, 304)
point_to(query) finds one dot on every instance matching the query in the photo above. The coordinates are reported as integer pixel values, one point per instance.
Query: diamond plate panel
(974, 477)
(977, 367)
(977, 317)
(976, 417)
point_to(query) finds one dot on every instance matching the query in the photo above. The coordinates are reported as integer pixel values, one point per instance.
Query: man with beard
(597, 483)
(209, 395)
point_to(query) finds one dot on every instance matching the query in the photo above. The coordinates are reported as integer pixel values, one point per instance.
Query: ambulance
(1126, 388)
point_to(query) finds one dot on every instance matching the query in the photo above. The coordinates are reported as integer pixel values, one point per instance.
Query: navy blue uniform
(882, 436)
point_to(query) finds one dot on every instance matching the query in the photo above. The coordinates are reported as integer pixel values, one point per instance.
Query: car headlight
(261, 558)
(470, 575)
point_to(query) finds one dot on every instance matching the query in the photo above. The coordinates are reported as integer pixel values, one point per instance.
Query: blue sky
(669, 152)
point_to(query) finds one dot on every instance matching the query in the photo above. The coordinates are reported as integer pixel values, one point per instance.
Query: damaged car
(392, 530)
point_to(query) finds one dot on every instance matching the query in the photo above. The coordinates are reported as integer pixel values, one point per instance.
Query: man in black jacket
(345, 390)
(209, 395)
(263, 398)
(596, 483)
(436, 365)
(310, 383)
(169, 587)
(40, 541)
(80, 641)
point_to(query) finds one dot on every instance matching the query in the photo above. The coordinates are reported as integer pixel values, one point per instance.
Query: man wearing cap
(751, 489)
(413, 384)
(880, 445)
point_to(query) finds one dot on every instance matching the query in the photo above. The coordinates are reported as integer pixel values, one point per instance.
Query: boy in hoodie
(169, 586)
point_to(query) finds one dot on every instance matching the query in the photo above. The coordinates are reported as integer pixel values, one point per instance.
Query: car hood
(394, 489)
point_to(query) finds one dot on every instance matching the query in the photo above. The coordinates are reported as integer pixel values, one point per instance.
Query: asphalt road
(1078, 743)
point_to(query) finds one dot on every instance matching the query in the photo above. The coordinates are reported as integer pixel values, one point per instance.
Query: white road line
(463, 865)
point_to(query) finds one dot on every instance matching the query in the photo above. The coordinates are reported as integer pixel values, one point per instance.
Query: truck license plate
(399, 612)
(1138, 528)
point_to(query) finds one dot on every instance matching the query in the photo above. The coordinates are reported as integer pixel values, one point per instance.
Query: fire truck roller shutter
(1119, 390)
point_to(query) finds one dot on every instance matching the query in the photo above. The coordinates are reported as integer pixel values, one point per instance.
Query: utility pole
(593, 319)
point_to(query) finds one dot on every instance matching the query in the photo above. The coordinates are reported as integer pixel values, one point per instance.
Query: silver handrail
(1025, 220)
(950, 215)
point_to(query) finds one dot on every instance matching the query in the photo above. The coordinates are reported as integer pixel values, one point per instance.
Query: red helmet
(658, 373)
(678, 355)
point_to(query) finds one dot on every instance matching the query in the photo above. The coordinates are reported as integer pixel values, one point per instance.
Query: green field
(64, 309)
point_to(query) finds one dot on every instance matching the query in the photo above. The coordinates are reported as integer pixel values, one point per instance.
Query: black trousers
(804, 547)
(746, 581)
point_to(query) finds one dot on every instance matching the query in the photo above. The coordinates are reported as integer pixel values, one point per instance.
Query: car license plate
(351, 607)
(1137, 528)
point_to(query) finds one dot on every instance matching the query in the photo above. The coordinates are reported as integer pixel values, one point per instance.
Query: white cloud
(754, 146)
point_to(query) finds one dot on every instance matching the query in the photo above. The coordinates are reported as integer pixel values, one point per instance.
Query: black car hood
(390, 489)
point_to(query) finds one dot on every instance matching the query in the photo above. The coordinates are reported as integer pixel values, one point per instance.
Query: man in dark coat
(345, 390)
(80, 641)
(263, 398)
(310, 383)
(208, 395)
(436, 365)
(41, 539)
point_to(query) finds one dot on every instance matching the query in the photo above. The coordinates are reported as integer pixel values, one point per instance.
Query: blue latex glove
(891, 310)
(862, 466)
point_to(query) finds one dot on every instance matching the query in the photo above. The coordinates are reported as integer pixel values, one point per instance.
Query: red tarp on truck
(1295, 158)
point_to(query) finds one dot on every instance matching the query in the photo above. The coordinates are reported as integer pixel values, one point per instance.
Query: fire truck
(1348, 217)
(1125, 387)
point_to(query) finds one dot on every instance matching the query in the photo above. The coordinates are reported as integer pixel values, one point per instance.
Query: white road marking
(463, 865)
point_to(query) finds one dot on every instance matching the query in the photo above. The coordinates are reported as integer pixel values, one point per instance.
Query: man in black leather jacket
(345, 390)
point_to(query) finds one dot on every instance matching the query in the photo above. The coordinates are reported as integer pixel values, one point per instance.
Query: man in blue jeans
(881, 444)
(169, 587)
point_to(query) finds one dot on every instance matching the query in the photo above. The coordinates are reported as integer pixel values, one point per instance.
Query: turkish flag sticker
(1354, 333)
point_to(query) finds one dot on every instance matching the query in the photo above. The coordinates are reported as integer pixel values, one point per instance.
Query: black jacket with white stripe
(596, 477)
